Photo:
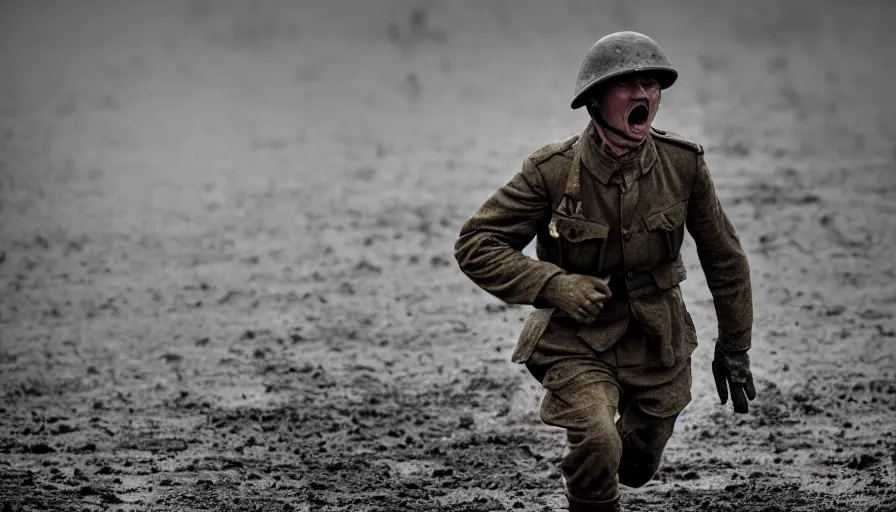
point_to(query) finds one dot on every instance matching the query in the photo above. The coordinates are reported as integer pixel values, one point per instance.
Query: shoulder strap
(543, 154)
(678, 140)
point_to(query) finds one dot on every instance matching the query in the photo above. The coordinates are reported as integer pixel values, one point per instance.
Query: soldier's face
(630, 104)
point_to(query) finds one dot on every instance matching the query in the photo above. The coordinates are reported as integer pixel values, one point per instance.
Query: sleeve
(489, 248)
(723, 260)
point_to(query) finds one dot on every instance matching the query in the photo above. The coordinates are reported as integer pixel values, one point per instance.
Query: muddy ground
(226, 252)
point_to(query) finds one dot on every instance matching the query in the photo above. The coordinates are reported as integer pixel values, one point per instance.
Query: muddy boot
(577, 505)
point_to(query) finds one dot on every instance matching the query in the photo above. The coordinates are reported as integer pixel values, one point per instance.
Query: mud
(227, 271)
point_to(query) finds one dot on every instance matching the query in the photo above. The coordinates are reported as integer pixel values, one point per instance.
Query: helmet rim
(666, 76)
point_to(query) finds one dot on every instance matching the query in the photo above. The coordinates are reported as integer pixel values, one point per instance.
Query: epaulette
(550, 150)
(678, 140)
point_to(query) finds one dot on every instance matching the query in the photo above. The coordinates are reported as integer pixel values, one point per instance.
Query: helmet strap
(599, 118)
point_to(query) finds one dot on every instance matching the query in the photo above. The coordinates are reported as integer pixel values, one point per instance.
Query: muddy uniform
(624, 218)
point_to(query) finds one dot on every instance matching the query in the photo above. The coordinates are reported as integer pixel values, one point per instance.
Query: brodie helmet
(621, 53)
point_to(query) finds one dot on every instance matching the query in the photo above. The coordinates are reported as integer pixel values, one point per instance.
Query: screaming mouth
(638, 115)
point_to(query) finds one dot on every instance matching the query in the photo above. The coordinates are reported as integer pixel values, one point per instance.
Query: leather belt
(642, 284)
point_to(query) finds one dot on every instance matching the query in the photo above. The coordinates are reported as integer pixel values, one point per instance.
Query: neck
(613, 144)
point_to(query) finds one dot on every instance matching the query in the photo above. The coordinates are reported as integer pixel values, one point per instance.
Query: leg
(581, 396)
(646, 424)
(642, 451)
(592, 459)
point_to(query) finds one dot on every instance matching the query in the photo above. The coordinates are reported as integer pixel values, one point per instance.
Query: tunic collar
(621, 170)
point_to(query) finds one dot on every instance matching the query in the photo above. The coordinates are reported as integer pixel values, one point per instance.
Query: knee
(631, 476)
(600, 443)
(640, 461)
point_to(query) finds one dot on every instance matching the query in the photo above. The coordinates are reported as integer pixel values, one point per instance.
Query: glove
(732, 370)
(581, 297)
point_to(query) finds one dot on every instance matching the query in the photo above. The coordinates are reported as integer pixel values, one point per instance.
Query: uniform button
(630, 275)
(626, 234)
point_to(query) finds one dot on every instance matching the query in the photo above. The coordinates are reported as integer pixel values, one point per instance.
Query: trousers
(583, 392)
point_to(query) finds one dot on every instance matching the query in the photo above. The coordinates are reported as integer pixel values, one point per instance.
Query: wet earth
(226, 252)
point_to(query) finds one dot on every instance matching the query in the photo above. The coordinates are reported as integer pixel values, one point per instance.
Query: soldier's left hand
(731, 370)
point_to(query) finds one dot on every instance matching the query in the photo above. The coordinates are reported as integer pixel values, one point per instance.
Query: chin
(639, 133)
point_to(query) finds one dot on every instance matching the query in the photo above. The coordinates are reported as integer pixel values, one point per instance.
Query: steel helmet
(617, 54)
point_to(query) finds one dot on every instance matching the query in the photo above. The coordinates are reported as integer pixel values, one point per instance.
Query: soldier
(611, 332)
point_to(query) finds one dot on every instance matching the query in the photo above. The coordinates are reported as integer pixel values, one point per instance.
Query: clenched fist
(581, 297)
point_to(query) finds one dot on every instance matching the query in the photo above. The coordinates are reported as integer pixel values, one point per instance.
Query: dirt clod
(40, 448)
(862, 462)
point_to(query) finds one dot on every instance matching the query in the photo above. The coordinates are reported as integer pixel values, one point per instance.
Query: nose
(639, 93)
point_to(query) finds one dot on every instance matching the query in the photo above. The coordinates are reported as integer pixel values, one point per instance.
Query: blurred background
(226, 235)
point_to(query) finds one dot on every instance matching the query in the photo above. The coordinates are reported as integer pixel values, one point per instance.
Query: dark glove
(581, 297)
(732, 370)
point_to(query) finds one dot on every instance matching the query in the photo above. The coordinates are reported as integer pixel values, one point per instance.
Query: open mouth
(637, 116)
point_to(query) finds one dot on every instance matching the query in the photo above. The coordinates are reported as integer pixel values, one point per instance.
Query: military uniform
(625, 218)
(620, 218)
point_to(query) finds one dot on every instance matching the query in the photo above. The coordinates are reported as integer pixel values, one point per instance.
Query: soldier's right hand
(581, 297)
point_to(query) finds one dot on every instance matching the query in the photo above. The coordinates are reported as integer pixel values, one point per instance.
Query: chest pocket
(669, 225)
(581, 243)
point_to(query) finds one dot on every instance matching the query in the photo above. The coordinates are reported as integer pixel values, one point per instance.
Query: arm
(489, 248)
(724, 262)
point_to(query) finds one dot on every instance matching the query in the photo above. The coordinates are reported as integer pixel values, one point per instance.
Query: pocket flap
(669, 219)
(670, 274)
(578, 230)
